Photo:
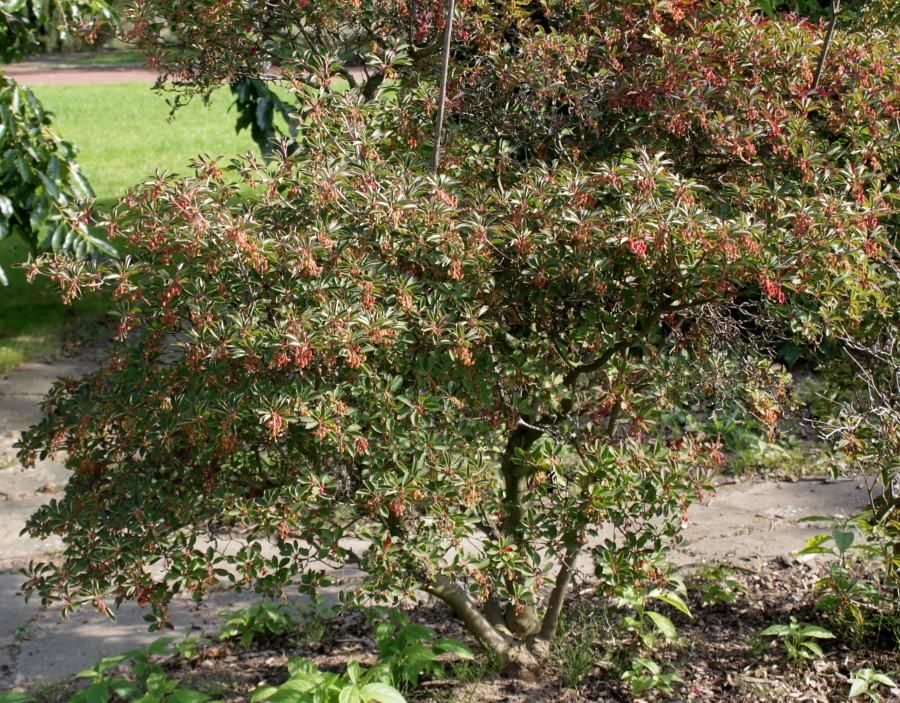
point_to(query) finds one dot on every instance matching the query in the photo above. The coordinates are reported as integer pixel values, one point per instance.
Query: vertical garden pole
(835, 8)
(442, 99)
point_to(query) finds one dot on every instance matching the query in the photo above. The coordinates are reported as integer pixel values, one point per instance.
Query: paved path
(60, 70)
(70, 69)
(77, 76)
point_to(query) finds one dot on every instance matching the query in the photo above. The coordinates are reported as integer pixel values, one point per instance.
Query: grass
(123, 133)
(102, 58)
(34, 322)
(108, 59)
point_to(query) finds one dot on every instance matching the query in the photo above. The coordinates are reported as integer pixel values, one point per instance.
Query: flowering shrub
(468, 370)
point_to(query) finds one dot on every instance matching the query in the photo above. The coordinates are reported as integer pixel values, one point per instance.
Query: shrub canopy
(476, 371)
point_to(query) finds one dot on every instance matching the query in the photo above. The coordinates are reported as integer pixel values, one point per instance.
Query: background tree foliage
(42, 191)
(476, 372)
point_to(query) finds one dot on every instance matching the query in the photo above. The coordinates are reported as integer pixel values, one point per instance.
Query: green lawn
(123, 133)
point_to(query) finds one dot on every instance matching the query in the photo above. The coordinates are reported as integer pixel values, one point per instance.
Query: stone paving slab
(25, 386)
(47, 476)
(15, 550)
(15, 616)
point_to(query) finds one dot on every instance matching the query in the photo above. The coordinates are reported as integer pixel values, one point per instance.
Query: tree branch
(558, 596)
(453, 595)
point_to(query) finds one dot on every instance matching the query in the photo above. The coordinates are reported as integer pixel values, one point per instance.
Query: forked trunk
(526, 661)
(520, 640)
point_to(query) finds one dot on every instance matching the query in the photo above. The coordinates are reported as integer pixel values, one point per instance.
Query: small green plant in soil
(864, 681)
(307, 683)
(647, 624)
(576, 652)
(646, 674)
(799, 640)
(715, 586)
(151, 685)
(409, 651)
(272, 619)
(16, 697)
(857, 592)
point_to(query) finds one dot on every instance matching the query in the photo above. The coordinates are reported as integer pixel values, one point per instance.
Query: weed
(864, 681)
(798, 639)
(16, 697)
(575, 651)
(855, 592)
(646, 674)
(307, 683)
(647, 624)
(24, 632)
(153, 686)
(409, 651)
(715, 585)
(476, 669)
(303, 625)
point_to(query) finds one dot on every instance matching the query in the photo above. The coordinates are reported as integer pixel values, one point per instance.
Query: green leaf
(842, 539)
(664, 624)
(16, 697)
(300, 665)
(97, 692)
(885, 679)
(49, 185)
(418, 653)
(816, 631)
(180, 695)
(349, 694)
(420, 632)
(813, 545)
(263, 693)
(382, 693)
(814, 648)
(775, 631)
(675, 601)
(452, 646)
(857, 688)
(123, 689)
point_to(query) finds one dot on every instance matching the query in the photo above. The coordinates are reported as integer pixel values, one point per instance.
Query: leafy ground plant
(410, 651)
(646, 674)
(307, 683)
(864, 682)
(799, 640)
(578, 649)
(716, 586)
(150, 684)
(644, 623)
(857, 593)
(272, 619)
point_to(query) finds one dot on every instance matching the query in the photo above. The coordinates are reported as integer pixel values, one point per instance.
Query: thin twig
(442, 100)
